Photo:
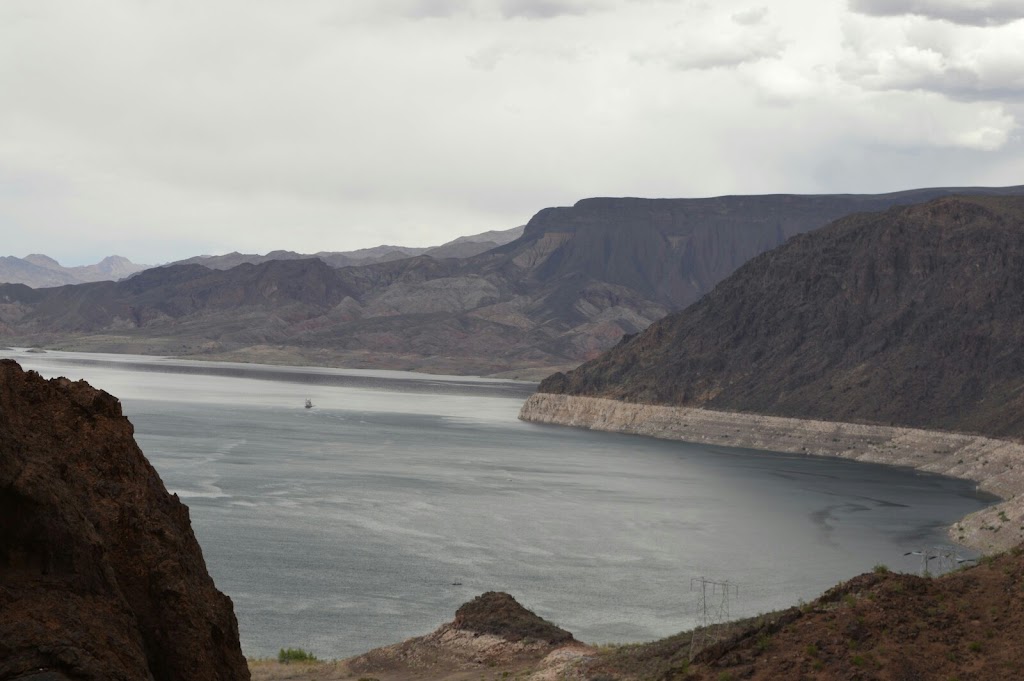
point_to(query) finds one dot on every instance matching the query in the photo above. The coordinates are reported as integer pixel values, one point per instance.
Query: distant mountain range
(40, 271)
(569, 288)
(463, 247)
(911, 317)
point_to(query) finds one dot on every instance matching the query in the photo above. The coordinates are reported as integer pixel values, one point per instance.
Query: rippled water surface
(372, 516)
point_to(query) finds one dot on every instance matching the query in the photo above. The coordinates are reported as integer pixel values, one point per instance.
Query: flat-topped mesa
(101, 576)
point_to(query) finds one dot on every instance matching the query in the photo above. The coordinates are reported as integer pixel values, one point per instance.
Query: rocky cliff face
(909, 317)
(101, 576)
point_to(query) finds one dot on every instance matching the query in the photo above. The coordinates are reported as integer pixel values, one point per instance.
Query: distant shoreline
(996, 465)
(379, 379)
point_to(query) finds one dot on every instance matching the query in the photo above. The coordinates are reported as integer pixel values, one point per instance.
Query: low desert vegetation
(287, 655)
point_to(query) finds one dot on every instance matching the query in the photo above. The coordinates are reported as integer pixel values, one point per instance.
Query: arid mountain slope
(100, 574)
(565, 291)
(911, 317)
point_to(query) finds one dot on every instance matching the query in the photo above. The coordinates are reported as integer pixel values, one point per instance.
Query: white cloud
(719, 41)
(962, 62)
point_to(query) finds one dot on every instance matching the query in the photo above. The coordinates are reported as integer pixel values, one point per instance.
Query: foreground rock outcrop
(101, 576)
(492, 635)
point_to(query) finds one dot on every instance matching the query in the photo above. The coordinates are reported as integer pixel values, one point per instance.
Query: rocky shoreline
(996, 465)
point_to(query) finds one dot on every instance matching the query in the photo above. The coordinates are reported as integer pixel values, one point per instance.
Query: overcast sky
(161, 129)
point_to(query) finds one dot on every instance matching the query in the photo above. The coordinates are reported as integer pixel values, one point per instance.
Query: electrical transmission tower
(714, 608)
(946, 558)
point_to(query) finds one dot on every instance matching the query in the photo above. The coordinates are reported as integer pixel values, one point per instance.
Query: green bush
(295, 655)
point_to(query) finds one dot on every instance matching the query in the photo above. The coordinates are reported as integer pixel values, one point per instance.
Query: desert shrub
(295, 655)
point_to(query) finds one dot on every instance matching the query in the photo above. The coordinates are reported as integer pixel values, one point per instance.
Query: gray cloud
(722, 56)
(546, 9)
(432, 9)
(713, 54)
(751, 17)
(966, 12)
(448, 9)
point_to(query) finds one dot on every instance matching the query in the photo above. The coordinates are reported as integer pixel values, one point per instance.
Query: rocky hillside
(569, 288)
(968, 624)
(910, 317)
(40, 271)
(100, 574)
(883, 626)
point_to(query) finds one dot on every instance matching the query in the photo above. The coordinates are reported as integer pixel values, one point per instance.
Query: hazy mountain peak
(42, 271)
(41, 260)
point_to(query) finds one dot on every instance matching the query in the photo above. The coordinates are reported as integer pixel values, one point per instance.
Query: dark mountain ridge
(909, 317)
(570, 287)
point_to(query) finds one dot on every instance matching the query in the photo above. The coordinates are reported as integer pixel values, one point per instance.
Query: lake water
(371, 517)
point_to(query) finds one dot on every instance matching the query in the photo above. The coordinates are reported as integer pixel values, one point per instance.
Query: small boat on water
(309, 404)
